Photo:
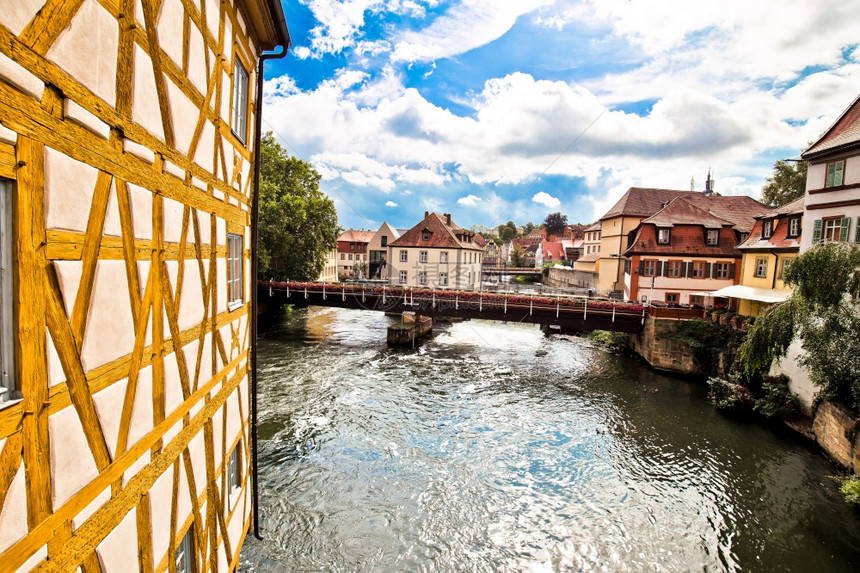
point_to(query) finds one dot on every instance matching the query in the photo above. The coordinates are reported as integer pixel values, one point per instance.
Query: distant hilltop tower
(709, 185)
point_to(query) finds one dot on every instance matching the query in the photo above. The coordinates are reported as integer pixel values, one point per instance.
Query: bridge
(488, 272)
(565, 311)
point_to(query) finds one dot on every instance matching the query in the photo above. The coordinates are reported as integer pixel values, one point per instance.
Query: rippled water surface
(491, 447)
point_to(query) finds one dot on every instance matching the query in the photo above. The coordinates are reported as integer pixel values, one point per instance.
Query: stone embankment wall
(836, 431)
(659, 347)
(567, 277)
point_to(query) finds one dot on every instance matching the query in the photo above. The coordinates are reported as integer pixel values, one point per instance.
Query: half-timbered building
(128, 133)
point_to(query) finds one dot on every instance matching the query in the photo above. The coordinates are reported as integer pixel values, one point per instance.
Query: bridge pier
(412, 327)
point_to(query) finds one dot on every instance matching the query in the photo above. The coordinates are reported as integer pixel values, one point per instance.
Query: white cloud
(464, 27)
(390, 204)
(469, 200)
(546, 199)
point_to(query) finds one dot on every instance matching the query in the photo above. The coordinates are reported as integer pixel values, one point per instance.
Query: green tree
(824, 313)
(529, 227)
(787, 183)
(508, 231)
(555, 223)
(297, 222)
(518, 256)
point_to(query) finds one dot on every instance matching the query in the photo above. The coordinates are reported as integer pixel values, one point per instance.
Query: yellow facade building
(128, 132)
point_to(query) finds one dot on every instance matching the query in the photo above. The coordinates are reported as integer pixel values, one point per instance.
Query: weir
(568, 312)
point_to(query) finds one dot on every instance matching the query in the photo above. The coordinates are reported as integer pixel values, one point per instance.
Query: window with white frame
(834, 174)
(240, 101)
(675, 268)
(403, 277)
(785, 264)
(761, 268)
(343, 256)
(443, 279)
(404, 256)
(832, 229)
(663, 236)
(234, 474)
(234, 270)
(722, 271)
(794, 226)
(767, 229)
(7, 312)
(425, 236)
(184, 556)
(698, 271)
(443, 257)
(713, 236)
(422, 256)
(649, 268)
(422, 277)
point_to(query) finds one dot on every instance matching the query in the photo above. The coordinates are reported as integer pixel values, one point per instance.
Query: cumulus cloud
(469, 200)
(390, 204)
(546, 199)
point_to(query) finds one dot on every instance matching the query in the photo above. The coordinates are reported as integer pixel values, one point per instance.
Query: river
(492, 447)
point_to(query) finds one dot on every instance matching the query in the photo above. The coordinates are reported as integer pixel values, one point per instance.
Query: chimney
(448, 219)
(426, 214)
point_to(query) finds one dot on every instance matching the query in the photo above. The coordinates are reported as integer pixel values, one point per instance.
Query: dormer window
(767, 229)
(663, 236)
(794, 227)
(425, 236)
(713, 237)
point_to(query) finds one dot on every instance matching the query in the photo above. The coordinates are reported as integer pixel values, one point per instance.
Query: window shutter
(685, 269)
(732, 270)
(843, 232)
(641, 267)
(857, 231)
(708, 270)
(816, 231)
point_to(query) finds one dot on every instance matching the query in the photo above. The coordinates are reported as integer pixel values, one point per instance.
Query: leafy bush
(729, 396)
(777, 400)
(850, 488)
(607, 338)
(707, 341)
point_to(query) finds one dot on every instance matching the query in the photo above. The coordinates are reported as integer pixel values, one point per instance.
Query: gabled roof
(843, 135)
(680, 211)
(354, 236)
(442, 235)
(594, 227)
(793, 208)
(740, 210)
(779, 239)
(642, 202)
(553, 250)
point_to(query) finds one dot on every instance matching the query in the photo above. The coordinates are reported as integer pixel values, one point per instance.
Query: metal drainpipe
(255, 205)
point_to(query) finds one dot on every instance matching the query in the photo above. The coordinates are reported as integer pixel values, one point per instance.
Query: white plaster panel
(7, 135)
(87, 49)
(141, 211)
(69, 187)
(206, 369)
(19, 77)
(204, 221)
(213, 16)
(241, 21)
(110, 328)
(191, 304)
(234, 528)
(218, 194)
(184, 507)
(170, 30)
(234, 419)
(232, 201)
(173, 215)
(55, 367)
(221, 226)
(108, 403)
(190, 351)
(69, 278)
(221, 281)
(227, 340)
(135, 467)
(160, 502)
(16, 15)
(13, 513)
(198, 461)
(172, 431)
(217, 431)
(197, 69)
(222, 558)
(145, 110)
(141, 415)
(91, 508)
(172, 385)
(84, 118)
(243, 395)
(139, 151)
(204, 156)
(246, 174)
(228, 42)
(72, 463)
(184, 115)
(143, 273)
(112, 225)
(199, 184)
(226, 92)
(175, 170)
(118, 550)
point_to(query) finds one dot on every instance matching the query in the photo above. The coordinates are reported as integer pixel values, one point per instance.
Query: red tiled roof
(843, 134)
(353, 236)
(793, 208)
(552, 251)
(680, 211)
(590, 257)
(642, 202)
(779, 239)
(594, 227)
(442, 235)
(740, 210)
(684, 240)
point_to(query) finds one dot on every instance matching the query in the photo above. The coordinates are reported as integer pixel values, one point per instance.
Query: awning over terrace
(748, 293)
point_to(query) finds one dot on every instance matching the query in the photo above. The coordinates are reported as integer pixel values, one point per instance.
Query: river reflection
(492, 447)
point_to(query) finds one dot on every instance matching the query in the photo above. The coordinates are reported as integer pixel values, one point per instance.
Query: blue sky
(499, 109)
